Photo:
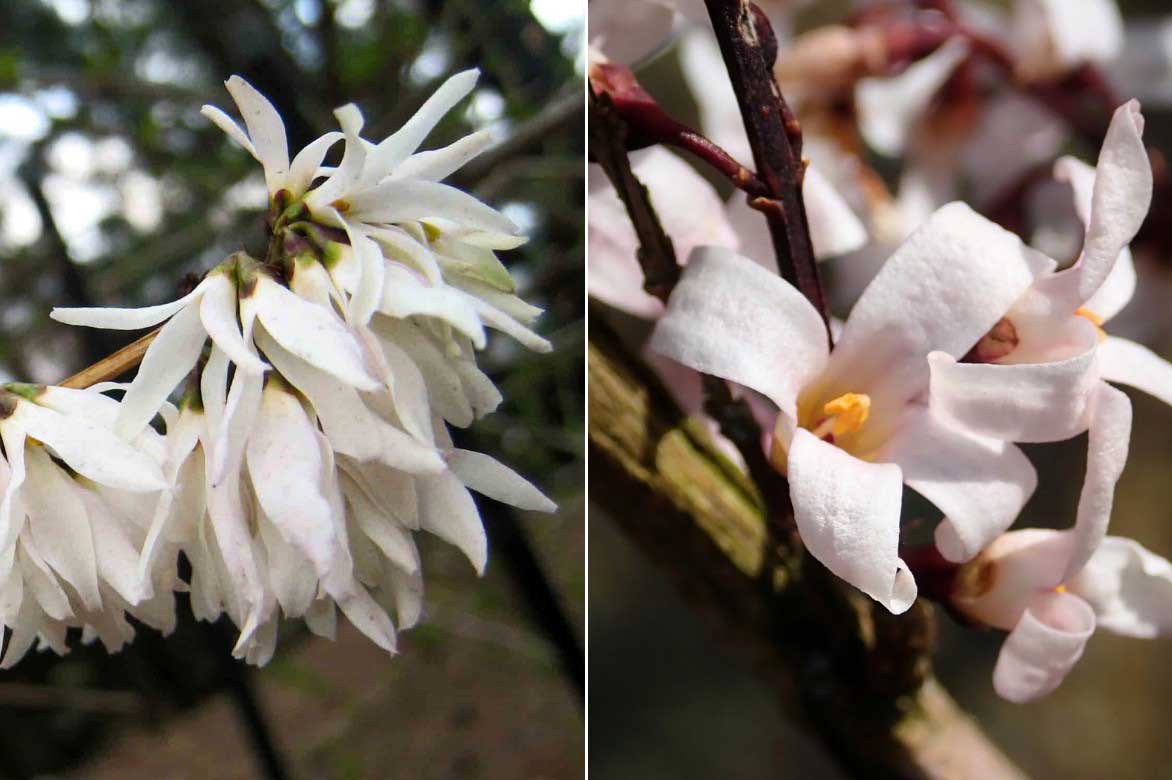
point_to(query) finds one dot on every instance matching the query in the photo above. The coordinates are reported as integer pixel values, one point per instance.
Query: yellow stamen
(1095, 319)
(845, 414)
(1060, 589)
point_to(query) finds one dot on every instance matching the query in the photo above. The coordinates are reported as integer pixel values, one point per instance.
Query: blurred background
(700, 713)
(113, 187)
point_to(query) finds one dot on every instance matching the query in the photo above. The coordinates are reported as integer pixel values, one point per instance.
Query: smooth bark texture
(858, 676)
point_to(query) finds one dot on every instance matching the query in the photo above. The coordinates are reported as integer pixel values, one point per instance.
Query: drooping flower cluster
(310, 441)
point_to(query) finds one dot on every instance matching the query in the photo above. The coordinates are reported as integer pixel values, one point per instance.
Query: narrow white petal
(369, 618)
(403, 201)
(1043, 647)
(90, 450)
(59, 525)
(311, 333)
(447, 510)
(346, 175)
(168, 360)
(229, 126)
(492, 478)
(397, 147)
(322, 619)
(438, 164)
(729, 317)
(495, 318)
(217, 313)
(370, 281)
(125, 319)
(847, 512)
(445, 387)
(291, 574)
(307, 162)
(286, 471)
(266, 130)
(117, 559)
(834, 228)
(405, 296)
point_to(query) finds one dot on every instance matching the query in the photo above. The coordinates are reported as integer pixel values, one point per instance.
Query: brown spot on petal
(8, 403)
(994, 345)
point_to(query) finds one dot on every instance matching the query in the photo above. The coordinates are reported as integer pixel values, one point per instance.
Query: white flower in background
(853, 423)
(1039, 375)
(1051, 38)
(69, 534)
(1024, 583)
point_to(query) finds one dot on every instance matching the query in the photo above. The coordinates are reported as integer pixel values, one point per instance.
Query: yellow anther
(1060, 589)
(1095, 319)
(847, 413)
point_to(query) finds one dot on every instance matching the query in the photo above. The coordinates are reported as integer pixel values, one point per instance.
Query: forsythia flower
(310, 443)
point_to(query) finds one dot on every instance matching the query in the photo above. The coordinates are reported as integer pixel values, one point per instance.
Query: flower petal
(307, 162)
(217, 312)
(979, 483)
(266, 130)
(890, 106)
(447, 510)
(404, 201)
(438, 164)
(1043, 647)
(963, 272)
(1133, 364)
(405, 296)
(60, 526)
(491, 478)
(729, 317)
(1027, 402)
(368, 617)
(1119, 204)
(348, 172)
(125, 319)
(168, 359)
(286, 471)
(229, 126)
(393, 150)
(1129, 587)
(847, 512)
(1109, 434)
(90, 450)
(311, 333)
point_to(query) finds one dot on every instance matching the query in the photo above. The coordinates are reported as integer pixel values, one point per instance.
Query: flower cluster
(965, 341)
(310, 440)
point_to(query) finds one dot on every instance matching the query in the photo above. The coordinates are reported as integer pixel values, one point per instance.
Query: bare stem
(749, 50)
(112, 366)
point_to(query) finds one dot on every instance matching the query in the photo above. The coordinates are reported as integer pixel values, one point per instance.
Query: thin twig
(112, 366)
(655, 253)
(749, 49)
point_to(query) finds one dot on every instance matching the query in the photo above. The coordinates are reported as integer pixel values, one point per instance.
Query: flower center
(845, 414)
(1095, 319)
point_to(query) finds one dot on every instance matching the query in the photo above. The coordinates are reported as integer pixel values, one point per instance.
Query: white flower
(1024, 583)
(1039, 375)
(853, 423)
(68, 542)
(1053, 37)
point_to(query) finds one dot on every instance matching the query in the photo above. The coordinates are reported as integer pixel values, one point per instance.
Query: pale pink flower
(854, 426)
(1024, 583)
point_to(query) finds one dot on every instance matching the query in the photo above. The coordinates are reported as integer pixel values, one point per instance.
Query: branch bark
(749, 49)
(859, 676)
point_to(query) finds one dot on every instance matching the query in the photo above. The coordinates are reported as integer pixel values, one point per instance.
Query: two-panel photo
(557, 389)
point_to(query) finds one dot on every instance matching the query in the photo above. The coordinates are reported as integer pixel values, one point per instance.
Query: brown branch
(112, 366)
(749, 50)
(858, 675)
(656, 254)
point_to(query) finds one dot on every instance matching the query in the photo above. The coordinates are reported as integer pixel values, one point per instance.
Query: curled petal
(1133, 364)
(979, 483)
(963, 272)
(438, 164)
(266, 130)
(730, 317)
(1043, 647)
(1029, 402)
(847, 512)
(1108, 436)
(1129, 587)
(404, 201)
(217, 312)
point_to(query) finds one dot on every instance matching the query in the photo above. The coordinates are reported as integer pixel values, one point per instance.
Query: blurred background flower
(113, 187)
